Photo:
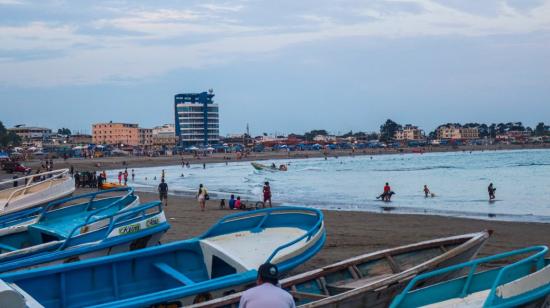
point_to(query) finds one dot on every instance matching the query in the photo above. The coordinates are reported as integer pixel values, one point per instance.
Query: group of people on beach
(237, 204)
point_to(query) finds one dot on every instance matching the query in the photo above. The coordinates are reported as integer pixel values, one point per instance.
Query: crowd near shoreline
(118, 162)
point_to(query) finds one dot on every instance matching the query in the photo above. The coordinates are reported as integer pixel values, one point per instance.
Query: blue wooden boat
(525, 283)
(80, 205)
(81, 231)
(221, 261)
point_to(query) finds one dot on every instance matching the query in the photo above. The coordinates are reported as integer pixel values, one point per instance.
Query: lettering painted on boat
(129, 229)
(139, 226)
(152, 221)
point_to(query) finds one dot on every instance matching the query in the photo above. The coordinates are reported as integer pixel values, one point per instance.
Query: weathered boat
(82, 231)
(38, 190)
(261, 167)
(373, 279)
(524, 283)
(223, 260)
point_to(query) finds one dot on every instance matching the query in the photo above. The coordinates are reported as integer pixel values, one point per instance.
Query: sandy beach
(106, 163)
(354, 233)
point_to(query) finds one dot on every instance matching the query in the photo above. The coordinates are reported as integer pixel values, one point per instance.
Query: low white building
(164, 135)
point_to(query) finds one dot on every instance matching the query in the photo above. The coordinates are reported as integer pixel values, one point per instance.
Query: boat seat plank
(170, 271)
(394, 266)
(307, 295)
(7, 247)
(476, 299)
(360, 282)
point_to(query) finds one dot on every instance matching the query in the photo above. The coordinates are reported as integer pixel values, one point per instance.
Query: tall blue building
(197, 121)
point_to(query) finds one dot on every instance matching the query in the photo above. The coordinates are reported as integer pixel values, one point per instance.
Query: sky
(280, 66)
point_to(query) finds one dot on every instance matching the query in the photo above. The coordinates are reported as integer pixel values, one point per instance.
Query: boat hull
(179, 271)
(72, 232)
(371, 280)
(523, 283)
(60, 185)
(148, 239)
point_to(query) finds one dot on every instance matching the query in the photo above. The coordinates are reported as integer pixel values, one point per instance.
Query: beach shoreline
(108, 163)
(352, 233)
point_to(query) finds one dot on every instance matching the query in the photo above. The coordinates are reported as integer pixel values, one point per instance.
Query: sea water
(459, 181)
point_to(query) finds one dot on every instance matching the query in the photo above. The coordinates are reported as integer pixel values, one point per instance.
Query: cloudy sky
(281, 66)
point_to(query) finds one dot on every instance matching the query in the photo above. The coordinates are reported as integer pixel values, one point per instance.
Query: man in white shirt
(267, 294)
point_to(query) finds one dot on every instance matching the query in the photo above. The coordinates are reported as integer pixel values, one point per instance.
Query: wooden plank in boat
(362, 282)
(307, 295)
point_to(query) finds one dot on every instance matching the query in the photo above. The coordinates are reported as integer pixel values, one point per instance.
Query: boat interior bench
(337, 288)
(6, 247)
(173, 273)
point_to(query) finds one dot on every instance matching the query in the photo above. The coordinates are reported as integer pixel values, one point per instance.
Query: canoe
(524, 283)
(40, 189)
(373, 279)
(224, 259)
(110, 185)
(261, 167)
(77, 232)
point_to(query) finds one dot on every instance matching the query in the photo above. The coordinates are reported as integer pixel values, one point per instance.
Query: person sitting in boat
(267, 293)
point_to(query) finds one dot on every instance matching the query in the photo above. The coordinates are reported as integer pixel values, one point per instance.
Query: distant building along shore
(197, 119)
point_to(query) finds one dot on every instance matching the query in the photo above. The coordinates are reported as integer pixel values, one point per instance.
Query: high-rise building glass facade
(197, 121)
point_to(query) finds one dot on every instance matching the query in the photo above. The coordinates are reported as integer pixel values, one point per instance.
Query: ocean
(459, 181)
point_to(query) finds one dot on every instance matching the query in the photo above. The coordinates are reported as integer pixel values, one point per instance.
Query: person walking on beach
(202, 196)
(125, 177)
(426, 191)
(491, 189)
(267, 293)
(267, 193)
(163, 192)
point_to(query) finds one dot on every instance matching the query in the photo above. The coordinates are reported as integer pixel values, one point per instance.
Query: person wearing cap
(267, 294)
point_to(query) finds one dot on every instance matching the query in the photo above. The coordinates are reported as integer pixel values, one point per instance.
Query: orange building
(115, 133)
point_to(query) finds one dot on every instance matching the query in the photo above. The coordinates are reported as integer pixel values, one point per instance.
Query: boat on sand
(373, 279)
(84, 230)
(523, 283)
(38, 190)
(223, 260)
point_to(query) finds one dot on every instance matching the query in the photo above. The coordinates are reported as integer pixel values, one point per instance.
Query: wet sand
(353, 233)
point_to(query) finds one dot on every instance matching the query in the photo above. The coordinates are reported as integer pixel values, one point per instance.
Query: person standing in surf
(387, 192)
(426, 191)
(202, 196)
(267, 193)
(491, 189)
